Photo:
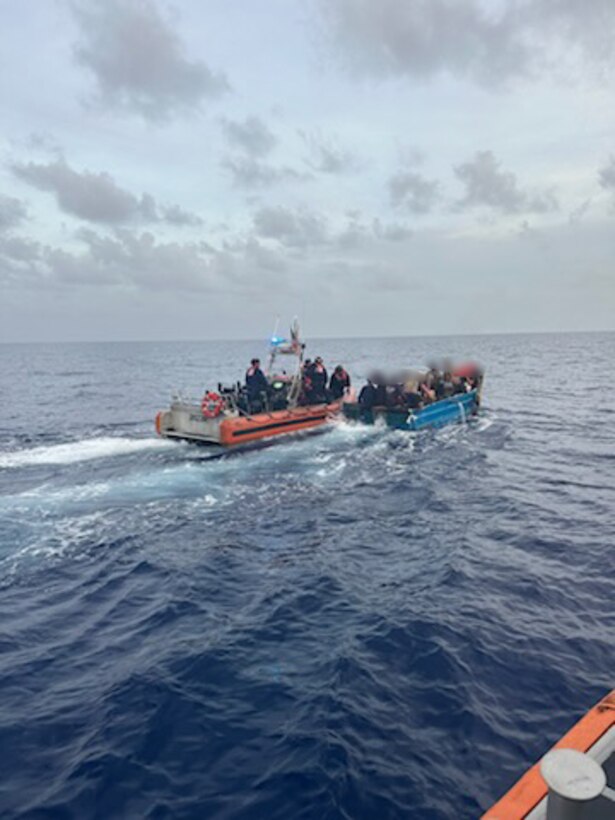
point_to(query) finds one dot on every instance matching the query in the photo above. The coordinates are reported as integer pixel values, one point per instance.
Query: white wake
(84, 450)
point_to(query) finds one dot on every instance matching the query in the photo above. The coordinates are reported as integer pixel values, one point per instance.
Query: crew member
(340, 381)
(256, 384)
(306, 383)
(318, 376)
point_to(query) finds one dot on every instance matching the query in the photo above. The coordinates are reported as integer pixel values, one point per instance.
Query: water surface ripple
(354, 624)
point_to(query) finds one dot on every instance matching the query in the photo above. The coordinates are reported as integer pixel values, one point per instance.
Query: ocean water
(358, 623)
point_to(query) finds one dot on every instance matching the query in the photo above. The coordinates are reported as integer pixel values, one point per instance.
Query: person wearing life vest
(340, 381)
(318, 377)
(256, 385)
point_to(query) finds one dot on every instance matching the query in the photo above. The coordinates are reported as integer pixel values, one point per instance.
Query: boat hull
(186, 422)
(446, 411)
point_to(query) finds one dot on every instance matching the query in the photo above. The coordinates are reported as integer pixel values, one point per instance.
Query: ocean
(357, 623)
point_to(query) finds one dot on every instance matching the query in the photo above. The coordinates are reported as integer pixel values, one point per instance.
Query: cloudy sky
(193, 168)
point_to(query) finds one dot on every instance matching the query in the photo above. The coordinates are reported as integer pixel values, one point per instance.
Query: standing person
(305, 396)
(319, 380)
(367, 396)
(340, 381)
(256, 385)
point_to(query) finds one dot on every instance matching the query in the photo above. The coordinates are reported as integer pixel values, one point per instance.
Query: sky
(194, 169)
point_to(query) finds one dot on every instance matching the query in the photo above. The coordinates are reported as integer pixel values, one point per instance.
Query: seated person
(445, 388)
(426, 391)
(395, 397)
(412, 396)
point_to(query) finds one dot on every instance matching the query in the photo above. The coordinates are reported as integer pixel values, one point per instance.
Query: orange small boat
(185, 421)
(227, 417)
(569, 774)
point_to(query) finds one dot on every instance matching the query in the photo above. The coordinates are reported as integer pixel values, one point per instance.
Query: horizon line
(309, 338)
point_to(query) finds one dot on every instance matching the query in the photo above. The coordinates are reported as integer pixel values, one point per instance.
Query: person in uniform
(318, 376)
(256, 385)
(340, 381)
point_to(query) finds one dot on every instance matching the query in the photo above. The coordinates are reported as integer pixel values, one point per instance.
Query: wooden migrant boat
(456, 408)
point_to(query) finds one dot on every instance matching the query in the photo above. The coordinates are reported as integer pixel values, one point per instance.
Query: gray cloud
(179, 217)
(247, 172)
(251, 135)
(17, 249)
(96, 197)
(413, 191)
(294, 229)
(326, 156)
(487, 185)
(490, 43)
(136, 261)
(393, 232)
(130, 259)
(606, 176)
(12, 212)
(138, 60)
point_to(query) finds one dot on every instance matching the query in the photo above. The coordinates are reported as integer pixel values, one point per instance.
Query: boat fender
(212, 405)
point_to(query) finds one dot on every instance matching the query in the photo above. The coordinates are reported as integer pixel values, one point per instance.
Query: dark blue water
(356, 624)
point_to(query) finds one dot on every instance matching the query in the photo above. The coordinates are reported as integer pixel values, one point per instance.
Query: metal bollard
(577, 787)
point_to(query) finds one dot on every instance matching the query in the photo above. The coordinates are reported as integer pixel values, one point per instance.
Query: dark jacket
(318, 376)
(339, 381)
(256, 382)
(367, 396)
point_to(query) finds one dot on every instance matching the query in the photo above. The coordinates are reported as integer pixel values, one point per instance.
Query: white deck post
(576, 783)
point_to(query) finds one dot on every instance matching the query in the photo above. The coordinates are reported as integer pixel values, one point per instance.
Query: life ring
(212, 405)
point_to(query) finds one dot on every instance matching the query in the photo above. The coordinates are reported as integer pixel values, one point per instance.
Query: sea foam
(84, 450)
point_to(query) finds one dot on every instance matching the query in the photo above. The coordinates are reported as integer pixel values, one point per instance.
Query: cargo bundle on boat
(235, 414)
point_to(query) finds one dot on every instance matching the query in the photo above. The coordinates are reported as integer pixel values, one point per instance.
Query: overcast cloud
(190, 169)
(487, 42)
(327, 156)
(607, 176)
(250, 135)
(96, 197)
(137, 60)
(413, 192)
(12, 212)
(488, 185)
